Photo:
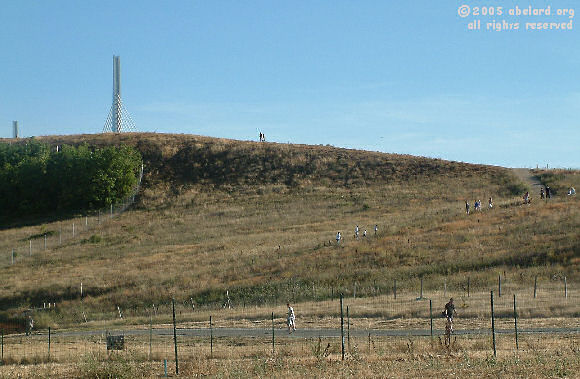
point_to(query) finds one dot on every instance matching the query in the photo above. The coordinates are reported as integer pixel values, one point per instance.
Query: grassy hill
(259, 220)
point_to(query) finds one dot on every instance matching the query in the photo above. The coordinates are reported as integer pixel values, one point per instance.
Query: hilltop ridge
(175, 161)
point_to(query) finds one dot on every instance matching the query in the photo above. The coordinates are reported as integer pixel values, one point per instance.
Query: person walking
(338, 238)
(291, 319)
(466, 207)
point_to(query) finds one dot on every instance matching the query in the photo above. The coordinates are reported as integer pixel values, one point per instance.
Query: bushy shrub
(36, 179)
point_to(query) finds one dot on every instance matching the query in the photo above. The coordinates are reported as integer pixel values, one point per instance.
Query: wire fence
(63, 232)
(377, 325)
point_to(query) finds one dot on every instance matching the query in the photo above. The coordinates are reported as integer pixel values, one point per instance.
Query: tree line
(39, 179)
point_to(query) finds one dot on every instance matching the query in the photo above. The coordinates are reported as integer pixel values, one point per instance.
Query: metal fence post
(535, 285)
(499, 285)
(150, 333)
(565, 288)
(468, 285)
(342, 327)
(493, 326)
(516, 323)
(49, 343)
(273, 333)
(395, 289)
(210, 338)
(431, 316)
(175, 338)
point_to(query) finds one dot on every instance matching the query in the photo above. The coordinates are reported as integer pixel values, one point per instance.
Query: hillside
(259, 220)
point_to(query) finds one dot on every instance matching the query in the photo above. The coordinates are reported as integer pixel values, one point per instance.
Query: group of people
(477, 205)
(448, 313)
(356, 233)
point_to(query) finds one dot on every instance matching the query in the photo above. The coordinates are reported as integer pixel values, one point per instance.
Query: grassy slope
(259, 219)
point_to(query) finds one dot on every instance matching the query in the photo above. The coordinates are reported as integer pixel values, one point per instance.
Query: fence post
(150, 332)
(421, 293)
(272, 333)
(210, 338)
(2, 356)
(29, 248)
(468, 284)
(565, 288)
(73, 230)
(395, 288)
(12, 259)
(493, 326)
(174, 338)
(44, 241)
(347, 327)
(49, 343)
(342, 327)
(516, 322)
(499, 285)
(535, 285)
(431, 316)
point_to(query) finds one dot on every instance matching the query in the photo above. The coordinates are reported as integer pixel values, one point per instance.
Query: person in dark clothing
(450, 310)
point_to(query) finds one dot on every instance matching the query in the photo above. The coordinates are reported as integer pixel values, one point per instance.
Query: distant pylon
(118, 120)
(15, 129)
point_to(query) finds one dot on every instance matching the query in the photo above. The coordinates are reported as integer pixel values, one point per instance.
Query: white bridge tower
(118, 120)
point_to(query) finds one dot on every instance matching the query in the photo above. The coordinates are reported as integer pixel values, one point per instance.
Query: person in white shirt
(338, 237)
(291, 319)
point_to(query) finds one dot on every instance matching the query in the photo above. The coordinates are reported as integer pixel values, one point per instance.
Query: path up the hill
(526, 176)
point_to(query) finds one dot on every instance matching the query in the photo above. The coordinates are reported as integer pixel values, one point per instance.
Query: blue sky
(392, 76)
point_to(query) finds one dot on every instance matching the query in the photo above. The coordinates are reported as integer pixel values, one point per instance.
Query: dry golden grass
(468, 356)
(266, 233)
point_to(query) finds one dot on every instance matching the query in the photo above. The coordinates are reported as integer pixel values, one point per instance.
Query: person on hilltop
(291, 319)
(376, 229)
(466, 207)
(490, 203)
(364, 233)
(548, 192)
(572, 191)
(356, 232)
(338, 238)
(542, 194)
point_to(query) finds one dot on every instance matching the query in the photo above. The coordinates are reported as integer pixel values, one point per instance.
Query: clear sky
(393, 76)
